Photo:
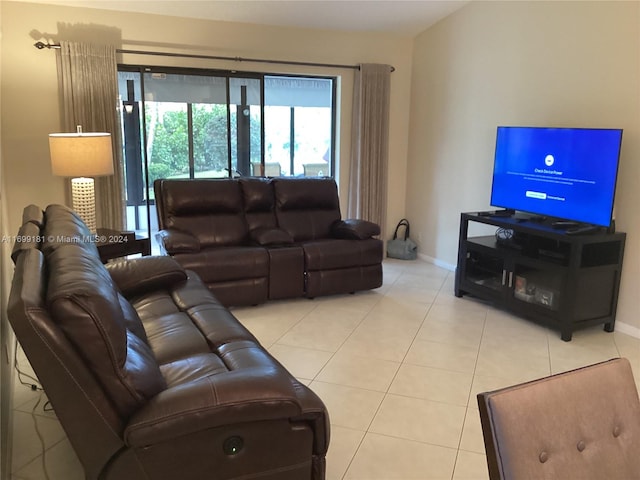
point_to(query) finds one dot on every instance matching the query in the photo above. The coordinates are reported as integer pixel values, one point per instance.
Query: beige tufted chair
(583, 424)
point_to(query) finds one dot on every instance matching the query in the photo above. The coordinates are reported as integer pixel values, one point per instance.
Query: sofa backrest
(220, 212)
(104, 328)
(80, 334)
(208, 209)
(306, 208)
(258, 202)
(74, 391)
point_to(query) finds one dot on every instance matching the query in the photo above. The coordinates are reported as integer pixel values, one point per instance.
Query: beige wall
(520, 63)
(30, 111)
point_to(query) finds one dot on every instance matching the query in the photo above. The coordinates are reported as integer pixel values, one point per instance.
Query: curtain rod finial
(41, 45)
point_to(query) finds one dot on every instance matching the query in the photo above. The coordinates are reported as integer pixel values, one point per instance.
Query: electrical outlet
(419, 236)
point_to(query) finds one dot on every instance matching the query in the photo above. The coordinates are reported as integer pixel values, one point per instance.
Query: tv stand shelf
(534, 270)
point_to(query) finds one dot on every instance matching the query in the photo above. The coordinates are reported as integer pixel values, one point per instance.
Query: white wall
(30, 111)
(6, 336)
(520, 63)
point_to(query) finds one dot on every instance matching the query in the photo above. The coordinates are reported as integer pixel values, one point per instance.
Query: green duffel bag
(402, 248)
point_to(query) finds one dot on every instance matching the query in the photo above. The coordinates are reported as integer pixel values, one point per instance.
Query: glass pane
(167, 140)
(277, 139)
(313, 141)
(210, 155)
(304, 148)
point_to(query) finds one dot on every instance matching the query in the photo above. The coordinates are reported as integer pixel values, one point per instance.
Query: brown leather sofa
(253, 240)
(149, 375)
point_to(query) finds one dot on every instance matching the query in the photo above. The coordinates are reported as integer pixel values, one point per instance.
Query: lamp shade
(81, 154)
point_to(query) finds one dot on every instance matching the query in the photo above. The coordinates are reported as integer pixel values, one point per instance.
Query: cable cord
(40, 437)
(35, 383)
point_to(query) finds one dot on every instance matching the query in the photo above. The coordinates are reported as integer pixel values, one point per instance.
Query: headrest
(306, 194)
(197, 197)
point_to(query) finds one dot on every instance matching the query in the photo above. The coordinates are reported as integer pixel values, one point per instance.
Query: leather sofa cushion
(86, 304)
(33, 214)
(338, 253)
(308, 193)
(214, 230)
(258, 203)
(355, 229)
(257, 194)
(200, 304)
(28, 237)
(139, 275)
(227, 264)
(267, 236)
(211, 196)
(192, 368)
(174, 241)
(211, 213)
(64, 227)
(306, 208)
(179, 323)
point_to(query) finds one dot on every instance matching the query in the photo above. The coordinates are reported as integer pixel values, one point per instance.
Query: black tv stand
(562, 280)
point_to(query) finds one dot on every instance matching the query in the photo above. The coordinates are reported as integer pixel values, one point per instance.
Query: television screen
(567, 173)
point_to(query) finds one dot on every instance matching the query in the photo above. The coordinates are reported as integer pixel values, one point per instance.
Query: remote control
(502, 213)
(564, 224)
(582, 229)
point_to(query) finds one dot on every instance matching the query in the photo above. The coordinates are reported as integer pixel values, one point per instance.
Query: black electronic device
(563, 173)
(582, 229)
(497, 213)
(564, 224)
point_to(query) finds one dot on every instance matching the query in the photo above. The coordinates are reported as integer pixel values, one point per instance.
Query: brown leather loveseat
(253, 239)
(149, 375)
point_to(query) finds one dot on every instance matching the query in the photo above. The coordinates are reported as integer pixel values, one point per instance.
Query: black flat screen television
(565, 173)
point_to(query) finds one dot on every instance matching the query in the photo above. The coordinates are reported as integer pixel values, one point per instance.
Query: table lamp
(82, 155)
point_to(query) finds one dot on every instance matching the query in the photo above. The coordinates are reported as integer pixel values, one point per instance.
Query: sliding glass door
(181, 123)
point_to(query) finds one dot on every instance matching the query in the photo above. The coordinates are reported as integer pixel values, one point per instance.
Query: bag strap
(404, 222)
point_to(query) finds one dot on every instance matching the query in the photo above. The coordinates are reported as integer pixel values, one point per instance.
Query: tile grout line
(374, 415)
(386, 392)
(466, 412)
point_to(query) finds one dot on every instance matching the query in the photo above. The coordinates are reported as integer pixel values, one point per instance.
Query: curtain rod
(41, 45)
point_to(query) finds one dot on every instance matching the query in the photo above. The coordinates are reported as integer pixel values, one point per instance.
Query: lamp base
(84, 201)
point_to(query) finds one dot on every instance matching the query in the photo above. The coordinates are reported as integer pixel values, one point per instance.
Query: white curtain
(88, 81)
(370, 144)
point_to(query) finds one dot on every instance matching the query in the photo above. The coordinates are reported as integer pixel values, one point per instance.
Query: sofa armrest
(253, 394)
(145, 274)
(355, 229)
(266, 236)
(174, 241)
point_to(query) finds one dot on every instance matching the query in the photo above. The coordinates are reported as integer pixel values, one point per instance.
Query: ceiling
(401, 17)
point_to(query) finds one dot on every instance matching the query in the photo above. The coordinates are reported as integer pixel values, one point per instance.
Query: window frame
(141, 70)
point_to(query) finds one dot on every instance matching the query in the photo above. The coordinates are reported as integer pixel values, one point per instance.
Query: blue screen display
(568, 173)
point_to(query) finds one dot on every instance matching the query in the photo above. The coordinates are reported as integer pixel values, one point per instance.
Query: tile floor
(398, 369)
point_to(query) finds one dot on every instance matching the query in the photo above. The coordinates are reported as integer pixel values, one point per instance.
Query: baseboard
(437, 263)
(627, 329)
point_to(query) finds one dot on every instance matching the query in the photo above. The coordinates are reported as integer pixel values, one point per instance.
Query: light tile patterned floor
(398, 369)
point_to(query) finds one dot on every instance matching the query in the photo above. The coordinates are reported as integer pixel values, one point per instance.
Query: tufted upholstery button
(544, 456)
(616, 431)
(580, 446)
